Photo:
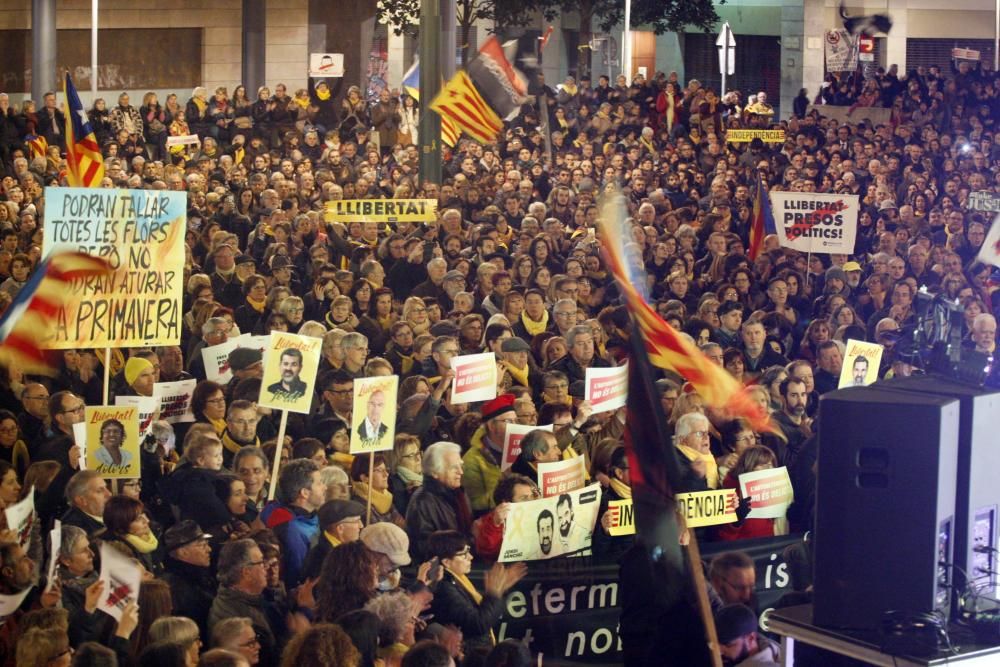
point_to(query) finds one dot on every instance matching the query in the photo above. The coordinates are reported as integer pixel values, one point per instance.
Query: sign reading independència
(816, 223)
(141, 234)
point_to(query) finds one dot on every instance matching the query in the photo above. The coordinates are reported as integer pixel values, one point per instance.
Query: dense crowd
(512, 265)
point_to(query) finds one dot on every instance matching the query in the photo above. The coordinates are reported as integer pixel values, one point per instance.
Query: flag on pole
(85, 165)
(989, 253)
(545, 37)
(411, 86)
(37, 146)
(39, 306)
(502, 86)
(463, 105)
(762, 220)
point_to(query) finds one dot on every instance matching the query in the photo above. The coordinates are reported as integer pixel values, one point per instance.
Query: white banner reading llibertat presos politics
(814, 222)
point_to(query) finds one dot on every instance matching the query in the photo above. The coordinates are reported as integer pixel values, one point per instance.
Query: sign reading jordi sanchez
(141, 234)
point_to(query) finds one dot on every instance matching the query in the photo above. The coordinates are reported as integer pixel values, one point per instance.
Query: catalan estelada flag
(37, 146)
(762, 220)
(411, 86)
(460, 103)
(85, 165)
(37, 306)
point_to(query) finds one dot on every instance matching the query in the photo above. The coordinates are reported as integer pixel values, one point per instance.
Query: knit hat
(333, 512)
(734, 621)
(243, 358)
(135, 366)
(388, 539)
(501, 404)
(836, 273)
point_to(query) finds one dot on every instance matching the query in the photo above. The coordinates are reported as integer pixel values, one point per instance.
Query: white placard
(606, 388)
(811, 222)
(551, 527)
(183, 140)
(80, 438)
(475, 378)
(513, 434)
(11, 603)
(21, 518)
(216, 360)
(326, 64)
(770, 492)
(175, 400)
(121, 578)
(55, 543)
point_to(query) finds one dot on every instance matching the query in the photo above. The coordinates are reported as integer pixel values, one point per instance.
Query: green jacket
(482, 473)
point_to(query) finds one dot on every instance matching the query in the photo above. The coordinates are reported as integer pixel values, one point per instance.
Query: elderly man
(483, 460)
(35, 401)
(87, 495)
(214, 331)
(580, 341)
(984, 333)
(188, 571)
(537, 446)
(242, 581)
(433, 287)
(65, 409)
(340, 522)
(355, 347)
(439, 503)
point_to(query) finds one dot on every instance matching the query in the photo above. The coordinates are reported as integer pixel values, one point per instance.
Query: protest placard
(183, 140)
(80, 438)
(621, 514)
(985, 201)
(373, 425)
(562, 525)
(815, 222)
(113, 433)
(513, 434)
(141, 234)
(21, 518)
(770, 492)
(861, 364)
(55, 543)
(739, 136)
(475, 378)
(708, 508)
(989, 253)
(175, 400)
(146, 411)
(841, 50)
(381, 210)
(290, 364)
(606, 388)
(216, 359)
(326, 64)
(121, 579)
(249, 342)
(561, 476)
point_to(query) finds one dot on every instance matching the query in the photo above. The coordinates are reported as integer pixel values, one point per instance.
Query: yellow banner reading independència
(735, 136)
(381, 210)
(708, 508)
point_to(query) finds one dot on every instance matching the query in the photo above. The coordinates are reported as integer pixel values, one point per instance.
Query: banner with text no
(141, 233)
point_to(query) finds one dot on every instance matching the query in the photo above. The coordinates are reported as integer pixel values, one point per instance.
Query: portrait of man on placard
(290, 387)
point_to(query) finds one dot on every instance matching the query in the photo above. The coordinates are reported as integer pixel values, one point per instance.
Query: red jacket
(751, 528)
(488, 536)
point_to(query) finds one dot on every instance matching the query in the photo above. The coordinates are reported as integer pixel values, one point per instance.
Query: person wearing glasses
(188, 572)
(699, 471)
(242, 581)
(35, 403)
(406, 475)
(65, 409)
(13, 449)
(734, 578)
(238, 635)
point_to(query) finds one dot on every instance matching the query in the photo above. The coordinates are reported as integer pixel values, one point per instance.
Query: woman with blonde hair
(197, 113)
(415, 312)
(292, 309)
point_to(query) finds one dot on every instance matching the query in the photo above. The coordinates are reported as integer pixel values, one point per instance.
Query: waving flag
(83, 155)
(989, 253)
(411, 86)
(37, 146)
(460, 103)
(502, 86)
(762, 222)
(37, 307)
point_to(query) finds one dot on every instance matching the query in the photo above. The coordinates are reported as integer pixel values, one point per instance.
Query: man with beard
(546, 525)
(792, 419)
(290, 388)
(739, 641)
(572, 536)
(859, 371)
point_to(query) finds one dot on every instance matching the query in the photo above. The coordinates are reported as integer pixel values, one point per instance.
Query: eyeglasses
(10, 429)
(78, 408)
(557, 387)
(342, 391)
(253, 642)
(413, 455)
(467, 551)
(699, 434)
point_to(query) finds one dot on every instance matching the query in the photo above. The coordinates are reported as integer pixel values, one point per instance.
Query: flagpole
(276, 464)
(701, 592)
(93, 48)
(371, 471)
(107, 374)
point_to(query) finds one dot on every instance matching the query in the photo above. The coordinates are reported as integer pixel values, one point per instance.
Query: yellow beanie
(133, 367)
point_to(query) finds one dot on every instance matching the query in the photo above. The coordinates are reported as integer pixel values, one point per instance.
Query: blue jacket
(297, 529)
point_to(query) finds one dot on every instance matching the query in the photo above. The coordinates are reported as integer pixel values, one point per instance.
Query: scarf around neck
(409, 477)
(621, 488)
(711, 467)
(535, 327)
(144, 545)
(381, 500)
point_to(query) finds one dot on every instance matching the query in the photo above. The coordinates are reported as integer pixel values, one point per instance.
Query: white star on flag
(989, 253)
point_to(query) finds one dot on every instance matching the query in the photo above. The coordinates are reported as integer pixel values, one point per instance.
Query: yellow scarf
(386, 322)
(711, 467)
(381, 500)
(621, 488)
(144, 545)
(334, 542)
(234, 446)
(520, 376)
(531, 326)
(303, 102)
(238, 155)
(323, 94)
(342, 460)
(405, 363)
(219, 425)
(570, 88)
(476, 596)
(200, 103)
(258, 306)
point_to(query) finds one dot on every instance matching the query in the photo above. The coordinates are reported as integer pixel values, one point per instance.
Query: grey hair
(211, 324)
(333, 475)
(71, 536)
(565, 303)
(689, 423)
(226, 631)
(353, 339)
(394, 611)
(174, 629)
(77, 484)
(437, 261)
(433, 458)
(577, 330)
(247, 452)
(234, 557)
(312, 329)
(534, 443)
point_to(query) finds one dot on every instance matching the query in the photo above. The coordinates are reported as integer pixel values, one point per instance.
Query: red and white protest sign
(561, 476)
(121, 577)
(475, 378)
(512, 441)
(606, 388)
(770, 492)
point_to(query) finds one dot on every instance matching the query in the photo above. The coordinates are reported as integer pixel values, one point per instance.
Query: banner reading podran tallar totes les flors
(814, 222)
(141, 234)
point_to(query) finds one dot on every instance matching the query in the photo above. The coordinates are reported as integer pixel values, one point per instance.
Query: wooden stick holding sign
(290, 365)
(373, 422)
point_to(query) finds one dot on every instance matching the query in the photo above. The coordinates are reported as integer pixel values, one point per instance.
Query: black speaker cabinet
(977, 500)
(885, 505)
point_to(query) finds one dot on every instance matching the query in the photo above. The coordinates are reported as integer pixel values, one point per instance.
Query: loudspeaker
(885, 505)
(978, 499)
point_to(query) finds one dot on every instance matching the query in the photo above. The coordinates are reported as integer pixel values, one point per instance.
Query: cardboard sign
(113, 433)
(80, 438)
(11, 603)
(708, 508)
(183, 140)
(739, 136)
(141, 234)
(770, 492)
(326, 64)
(512, 436)
(146, 408)
(290, 364)
(373, 416)
(816, 223)
(381, 210)
(550, 527)
(965, 54)
(861, 364)
(55, 543)
(21, 518)
(561, 476)
(984, 200)
(475, 378)
(622, 515)
(216, 359)
(606, 388)
(175, 400)
(121, 577)
(248, 342)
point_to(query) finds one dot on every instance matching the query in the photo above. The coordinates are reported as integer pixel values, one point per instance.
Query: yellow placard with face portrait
(861, 364)
(290, 364)
(373, 418)
(113, 441)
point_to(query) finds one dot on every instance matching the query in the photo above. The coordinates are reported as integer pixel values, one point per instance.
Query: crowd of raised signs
(509, 263)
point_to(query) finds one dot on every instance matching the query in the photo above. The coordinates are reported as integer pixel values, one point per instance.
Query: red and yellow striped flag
(449, 133)
(84, 162)
(462, 105)
(37, 309)
(37, 146)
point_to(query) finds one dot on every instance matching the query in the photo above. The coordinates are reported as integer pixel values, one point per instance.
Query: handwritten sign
(21, 518)
(621, 514)
(175, 400)
(141, 234)
(290, 364)
(373, 425)
(146, 409)
(475, 378)
(561, 476)
(861, 364)
(513, 434)
(121, 577)
(113, 434)
(381, 210)
(326, 64)
(985, 201)
(708, 508)
(770, 492)
(816, 222)
(606, 388)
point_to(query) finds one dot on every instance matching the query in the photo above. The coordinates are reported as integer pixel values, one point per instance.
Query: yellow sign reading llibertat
(381, 210)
